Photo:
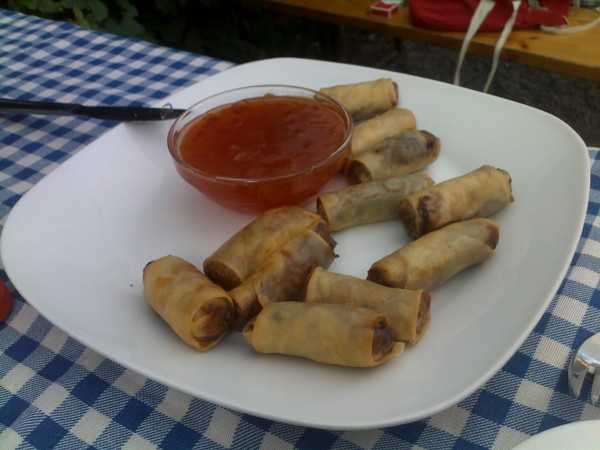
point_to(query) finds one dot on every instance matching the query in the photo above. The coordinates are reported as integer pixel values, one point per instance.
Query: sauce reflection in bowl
(259, 147)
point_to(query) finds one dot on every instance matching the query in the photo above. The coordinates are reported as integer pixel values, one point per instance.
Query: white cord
(481, 12)
(500, 44)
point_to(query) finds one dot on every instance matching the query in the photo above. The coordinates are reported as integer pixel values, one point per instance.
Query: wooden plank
(576, 54)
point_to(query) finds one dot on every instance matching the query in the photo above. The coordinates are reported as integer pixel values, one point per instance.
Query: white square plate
(76, 244)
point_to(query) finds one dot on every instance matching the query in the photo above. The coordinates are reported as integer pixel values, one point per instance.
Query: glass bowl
(259, 147)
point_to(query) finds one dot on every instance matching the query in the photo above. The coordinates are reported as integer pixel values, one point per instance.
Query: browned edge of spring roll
(479, 193)
(408, 311)
(401, 154)
(374, 201)
(327, 333)
(195, 308)
(365, 99)
(371, 131)
(434, 258)
(245, 251)
(281, 277)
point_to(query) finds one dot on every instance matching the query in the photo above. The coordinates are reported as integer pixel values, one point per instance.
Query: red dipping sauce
(262, 137)
(264, 151)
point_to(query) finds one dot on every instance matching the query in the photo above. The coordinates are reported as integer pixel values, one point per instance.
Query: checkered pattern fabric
(56, 393)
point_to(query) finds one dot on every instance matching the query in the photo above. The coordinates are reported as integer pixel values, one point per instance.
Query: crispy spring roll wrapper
(408, 311)
(245, 251)
(404, 153)
(328, 333)
(374, 201)
(431, 260)
(370, 132)
(366, 99)
(479, 193)
(198, 310)
(281, 277)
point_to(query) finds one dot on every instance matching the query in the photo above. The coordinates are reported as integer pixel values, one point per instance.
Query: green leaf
(80, 18)
(48, 6)
(127, 27)
(128, 9)
(30, 4)
(98, 11)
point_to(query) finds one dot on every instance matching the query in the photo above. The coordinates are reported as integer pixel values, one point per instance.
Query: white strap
(500, 44)
(481, 12)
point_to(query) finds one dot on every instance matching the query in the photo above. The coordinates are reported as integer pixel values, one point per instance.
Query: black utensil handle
(120, 113)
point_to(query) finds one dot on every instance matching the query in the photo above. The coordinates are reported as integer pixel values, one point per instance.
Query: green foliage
(116, 16)
(219, 28)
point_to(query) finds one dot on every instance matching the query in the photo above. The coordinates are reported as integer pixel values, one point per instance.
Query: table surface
(569, 54)
(56, 393)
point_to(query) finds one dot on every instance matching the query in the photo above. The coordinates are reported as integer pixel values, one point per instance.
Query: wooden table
(575, 54)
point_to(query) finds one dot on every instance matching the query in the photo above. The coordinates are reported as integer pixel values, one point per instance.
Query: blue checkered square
(518, 365)
(11, 410)
(46, 435)
(133, 414)
(21, 349)
(56, 368)
(180, 437)
(492, 406)
(90, 389)
(408, 432)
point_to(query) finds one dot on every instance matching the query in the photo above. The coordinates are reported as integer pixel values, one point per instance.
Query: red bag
(493, 15)
(456, 15)
(488, 15)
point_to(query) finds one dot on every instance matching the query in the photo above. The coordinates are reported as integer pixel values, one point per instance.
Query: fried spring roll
(408, 311)
(281, 277)
(404, 153)
(245, 251)
(370, 132)
(374, 201)
(327, 333)
(195, 308)
(431, 260)
(366, 99)
(479, 193)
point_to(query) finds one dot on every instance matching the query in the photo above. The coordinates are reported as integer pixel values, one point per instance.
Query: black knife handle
(119, 113)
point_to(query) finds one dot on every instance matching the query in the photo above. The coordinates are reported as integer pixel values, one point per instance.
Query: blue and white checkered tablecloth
(56, 393)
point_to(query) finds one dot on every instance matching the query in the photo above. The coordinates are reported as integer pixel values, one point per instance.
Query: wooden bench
(576, 54)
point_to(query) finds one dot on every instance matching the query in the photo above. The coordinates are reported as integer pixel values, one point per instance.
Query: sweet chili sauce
(262, 137)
